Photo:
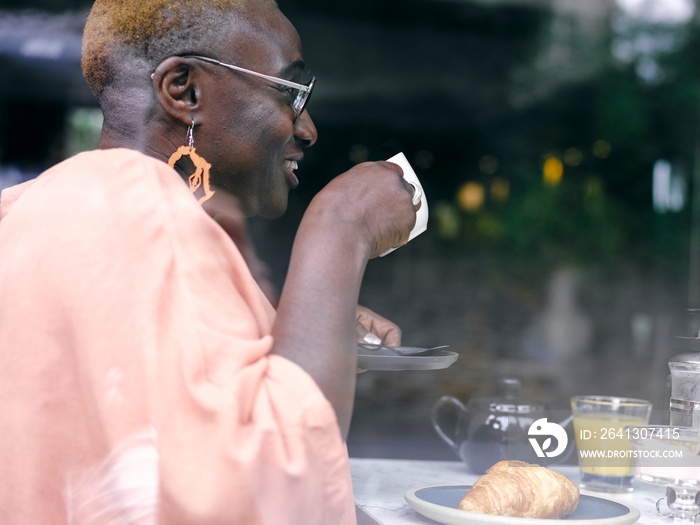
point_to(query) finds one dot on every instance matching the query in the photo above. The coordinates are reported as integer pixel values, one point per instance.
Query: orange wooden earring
(200, 177)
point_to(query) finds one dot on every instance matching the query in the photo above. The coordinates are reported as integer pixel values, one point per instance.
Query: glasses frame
(301, 99)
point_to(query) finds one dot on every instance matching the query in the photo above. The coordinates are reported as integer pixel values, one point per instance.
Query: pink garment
(136, 383)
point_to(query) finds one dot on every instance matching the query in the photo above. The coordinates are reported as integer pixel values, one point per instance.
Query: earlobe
(174, 82)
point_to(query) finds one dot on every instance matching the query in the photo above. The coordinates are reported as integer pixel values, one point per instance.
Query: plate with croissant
(517, 493)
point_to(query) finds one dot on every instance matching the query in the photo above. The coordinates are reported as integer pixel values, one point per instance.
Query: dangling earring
(200, 177)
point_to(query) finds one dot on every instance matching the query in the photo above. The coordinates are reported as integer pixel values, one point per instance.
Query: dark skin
(245, 129)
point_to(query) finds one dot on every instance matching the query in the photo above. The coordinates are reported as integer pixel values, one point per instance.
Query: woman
(145, 377)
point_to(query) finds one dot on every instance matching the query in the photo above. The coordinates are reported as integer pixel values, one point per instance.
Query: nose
(305, 131)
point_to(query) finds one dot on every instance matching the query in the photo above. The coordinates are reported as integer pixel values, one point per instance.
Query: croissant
(516, 488)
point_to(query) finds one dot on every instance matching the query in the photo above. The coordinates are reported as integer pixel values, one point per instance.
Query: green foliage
(601, 212)
(568, 224)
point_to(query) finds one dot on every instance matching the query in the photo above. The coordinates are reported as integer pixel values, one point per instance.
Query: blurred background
(558, 143)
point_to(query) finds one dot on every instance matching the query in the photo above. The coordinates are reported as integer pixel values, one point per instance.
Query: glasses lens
(302, 99)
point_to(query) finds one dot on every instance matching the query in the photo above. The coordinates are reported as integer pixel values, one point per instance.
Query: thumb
(365, 336)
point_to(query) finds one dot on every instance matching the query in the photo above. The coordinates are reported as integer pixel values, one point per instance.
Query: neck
(120, 135)
(146, 140)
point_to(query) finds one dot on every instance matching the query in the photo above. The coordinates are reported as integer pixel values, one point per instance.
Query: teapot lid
(508, 401)
(689, 361)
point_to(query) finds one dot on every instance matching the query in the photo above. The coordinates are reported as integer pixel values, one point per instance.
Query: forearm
(316, 316)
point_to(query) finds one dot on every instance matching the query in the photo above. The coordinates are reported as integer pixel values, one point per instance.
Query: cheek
(259, 130)
(269, 137)
(248, 149)
(237, 141)
(272, 124)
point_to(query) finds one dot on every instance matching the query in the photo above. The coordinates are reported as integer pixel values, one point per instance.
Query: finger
(417, 198)
(393, 337)
(365, 336)
(414, 190)
(417, 193)
(392, 166)
(384, 330)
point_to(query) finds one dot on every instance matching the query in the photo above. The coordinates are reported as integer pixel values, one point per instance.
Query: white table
(379, 486)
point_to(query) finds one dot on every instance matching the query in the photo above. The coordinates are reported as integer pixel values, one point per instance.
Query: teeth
(291, 164)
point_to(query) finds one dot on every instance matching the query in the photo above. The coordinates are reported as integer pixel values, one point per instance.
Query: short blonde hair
(123, 35)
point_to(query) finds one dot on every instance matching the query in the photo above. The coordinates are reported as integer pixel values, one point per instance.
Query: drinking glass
(604, 450)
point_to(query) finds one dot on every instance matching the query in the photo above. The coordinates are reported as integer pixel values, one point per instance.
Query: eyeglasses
(304, 91)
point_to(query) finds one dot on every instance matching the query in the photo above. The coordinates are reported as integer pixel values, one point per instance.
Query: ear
(176, 87)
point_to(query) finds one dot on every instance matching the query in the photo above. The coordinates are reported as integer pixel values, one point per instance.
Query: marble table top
(380, 484)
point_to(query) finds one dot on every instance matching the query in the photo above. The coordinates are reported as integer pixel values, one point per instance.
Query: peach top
(136, 383)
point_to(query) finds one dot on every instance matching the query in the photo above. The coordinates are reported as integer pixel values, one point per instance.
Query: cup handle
(435, 418)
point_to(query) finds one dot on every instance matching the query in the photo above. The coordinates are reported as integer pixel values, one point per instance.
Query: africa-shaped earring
(200, 177)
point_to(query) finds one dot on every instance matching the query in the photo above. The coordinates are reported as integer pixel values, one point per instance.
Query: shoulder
(119, 163)
(113, 180)
(105, 192)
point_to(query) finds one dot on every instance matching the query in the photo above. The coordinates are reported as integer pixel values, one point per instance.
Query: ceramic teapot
(491, 429)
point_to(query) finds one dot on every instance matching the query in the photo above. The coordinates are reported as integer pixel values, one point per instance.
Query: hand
(374, 200)
(373, 328)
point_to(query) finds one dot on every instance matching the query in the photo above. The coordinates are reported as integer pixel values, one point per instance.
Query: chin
(273, 212)
(273, 205)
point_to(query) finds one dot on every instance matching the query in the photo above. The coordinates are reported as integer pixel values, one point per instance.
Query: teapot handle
(435, 416)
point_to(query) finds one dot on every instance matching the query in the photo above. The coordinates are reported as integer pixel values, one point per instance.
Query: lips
(289, 167)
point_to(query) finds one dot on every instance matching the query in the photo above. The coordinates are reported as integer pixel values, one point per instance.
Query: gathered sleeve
(161, 326)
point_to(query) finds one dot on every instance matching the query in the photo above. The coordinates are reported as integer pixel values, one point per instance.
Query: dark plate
(384, 359)
(440, 503)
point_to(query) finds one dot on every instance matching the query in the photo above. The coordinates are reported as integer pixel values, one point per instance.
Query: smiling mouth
(289, 167)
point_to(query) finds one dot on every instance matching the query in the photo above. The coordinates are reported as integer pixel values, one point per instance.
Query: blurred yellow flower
(573, 157)
(500, 189)
(471, 196)
(602, 149)
(552, 171)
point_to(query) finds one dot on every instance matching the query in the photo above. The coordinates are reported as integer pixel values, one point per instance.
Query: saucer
(440, 503)
(383, 359)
